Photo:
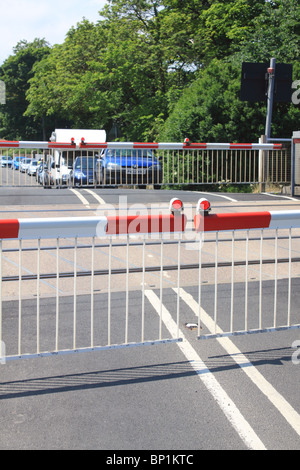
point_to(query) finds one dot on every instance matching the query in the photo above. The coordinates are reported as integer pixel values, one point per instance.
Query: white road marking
(219, 195)
(81, 197)
(243, 428)
(287, 411)
(96, 196)
(279, 195)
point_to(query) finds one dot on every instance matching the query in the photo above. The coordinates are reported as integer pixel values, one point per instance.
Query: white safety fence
(54, 164)
(86, 291)
(86, 284)
(257, 254)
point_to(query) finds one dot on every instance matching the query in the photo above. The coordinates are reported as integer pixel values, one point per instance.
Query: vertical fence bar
(92, 291)
(57, 296)
(260, 278)
(200, 281)
(38, 299)
(160, 286)
(20, 299)
(216, 283)
(232, 281)
(178, 284)
(275, 278)
(290, 278)
(109, 294)
(246, 281)
(143, 290)
(75, 295)
(127, 290)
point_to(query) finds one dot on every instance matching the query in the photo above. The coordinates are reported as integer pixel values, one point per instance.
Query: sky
(49, 19)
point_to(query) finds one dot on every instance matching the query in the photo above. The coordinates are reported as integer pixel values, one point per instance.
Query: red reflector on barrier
(177, 204)
(205, 205)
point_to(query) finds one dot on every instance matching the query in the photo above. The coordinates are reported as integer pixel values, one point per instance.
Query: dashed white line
(286, 410)
(243, 428)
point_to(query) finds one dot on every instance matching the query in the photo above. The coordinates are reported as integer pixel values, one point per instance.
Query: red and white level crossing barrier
(75, 227)
(78, 227)
(247, 221)
(186, 145)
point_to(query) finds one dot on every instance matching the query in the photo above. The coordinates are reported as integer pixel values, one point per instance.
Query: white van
(60, 162)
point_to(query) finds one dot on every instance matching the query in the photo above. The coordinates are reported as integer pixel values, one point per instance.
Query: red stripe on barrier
(61, 145)
(192, 145)
(9, 228)
(145, 224)
(239, 221)
(240, 146)
(9, 143)
(93, 145)
(145, 145)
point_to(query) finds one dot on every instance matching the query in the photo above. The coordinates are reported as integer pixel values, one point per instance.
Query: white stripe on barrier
(279, 219)
(32, 229)
(62, 227)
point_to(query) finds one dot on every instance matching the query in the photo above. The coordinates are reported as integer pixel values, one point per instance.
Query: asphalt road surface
(228, 393)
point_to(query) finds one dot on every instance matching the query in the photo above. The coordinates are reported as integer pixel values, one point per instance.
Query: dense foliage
(154, 70)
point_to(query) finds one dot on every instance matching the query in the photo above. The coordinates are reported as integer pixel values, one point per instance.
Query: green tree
(210, 110)
(15, 72)
(275, 33)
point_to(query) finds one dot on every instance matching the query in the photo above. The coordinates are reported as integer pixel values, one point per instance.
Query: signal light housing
(203, 206)
(176, 206)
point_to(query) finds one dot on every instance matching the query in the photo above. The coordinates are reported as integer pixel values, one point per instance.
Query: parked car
(6, 161)
(84, 171)
(31, 170)
(40, 173)
(138, 166)
(17, 161)
(63, 174)
(25, 162)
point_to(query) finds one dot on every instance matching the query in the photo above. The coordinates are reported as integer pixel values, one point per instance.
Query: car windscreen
(135, 153)
(84, 163)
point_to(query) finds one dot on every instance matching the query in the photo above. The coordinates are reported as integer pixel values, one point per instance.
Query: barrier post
(262, 166)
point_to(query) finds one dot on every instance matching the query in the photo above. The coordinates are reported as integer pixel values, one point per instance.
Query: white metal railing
(85, 284)
(65, 298)
(261, 261)
(141, 164)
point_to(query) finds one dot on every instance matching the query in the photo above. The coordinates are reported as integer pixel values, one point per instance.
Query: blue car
(133, 167)
(17, 161)
(83, 172)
